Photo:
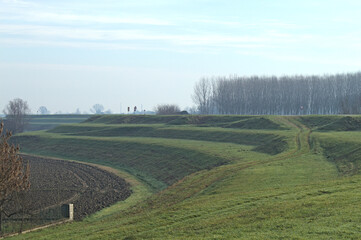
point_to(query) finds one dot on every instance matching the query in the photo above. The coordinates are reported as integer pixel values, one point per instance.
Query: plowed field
(56, 182)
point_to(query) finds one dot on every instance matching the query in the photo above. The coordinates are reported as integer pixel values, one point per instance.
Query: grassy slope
(43, 122)
(298, 194)
(265, 141)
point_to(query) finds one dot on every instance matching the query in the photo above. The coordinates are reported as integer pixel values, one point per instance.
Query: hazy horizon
(73, 54)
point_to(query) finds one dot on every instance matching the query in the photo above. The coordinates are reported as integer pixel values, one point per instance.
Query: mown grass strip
(265, 141)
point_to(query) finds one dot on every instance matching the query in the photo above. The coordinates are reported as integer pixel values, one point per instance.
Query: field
(216, 177)
(56, 182)
(87, 187)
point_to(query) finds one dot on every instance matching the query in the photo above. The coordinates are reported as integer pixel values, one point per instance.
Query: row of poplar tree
(286, 95)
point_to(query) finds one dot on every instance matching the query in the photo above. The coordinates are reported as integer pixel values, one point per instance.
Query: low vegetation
(167, 109)
(216, 177)
(44, 122)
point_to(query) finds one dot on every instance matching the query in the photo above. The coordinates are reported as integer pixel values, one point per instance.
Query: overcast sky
(72, 54)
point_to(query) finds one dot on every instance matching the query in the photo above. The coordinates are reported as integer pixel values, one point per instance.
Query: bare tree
(17, 112)
(285, 95)
(97, 109)
(167, 109)
(43, 110)
(14, 177)
(202, 95)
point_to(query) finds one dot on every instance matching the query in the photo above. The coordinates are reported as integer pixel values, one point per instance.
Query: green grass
(346, 123)
(43, 122)
(332, 123)
(343, 149)
(144, 158)
(265, 141)
(222, 185)
(171, 120)
(256, 123)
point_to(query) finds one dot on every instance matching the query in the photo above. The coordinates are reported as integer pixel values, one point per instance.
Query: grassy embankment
(44, 122)
(216, 177)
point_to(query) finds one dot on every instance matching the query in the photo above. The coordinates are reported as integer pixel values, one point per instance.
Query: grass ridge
(296, 193)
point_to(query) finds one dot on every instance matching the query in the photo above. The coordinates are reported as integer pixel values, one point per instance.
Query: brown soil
(56, 182)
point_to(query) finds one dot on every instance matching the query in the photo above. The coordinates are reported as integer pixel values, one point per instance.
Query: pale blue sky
(72, 54)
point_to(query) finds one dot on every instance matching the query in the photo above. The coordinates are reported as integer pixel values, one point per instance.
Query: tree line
(286, 95)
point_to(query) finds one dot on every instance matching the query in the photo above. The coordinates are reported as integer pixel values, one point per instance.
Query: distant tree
(167, 109)
(285, 95)
(108, 111)
(14, 177)
(43, 110)
(192, 110)
(202, 95)
(78, 112)
(97, 109)
(17, 112)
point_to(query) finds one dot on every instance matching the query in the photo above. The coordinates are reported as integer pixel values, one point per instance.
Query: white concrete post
(71, 211)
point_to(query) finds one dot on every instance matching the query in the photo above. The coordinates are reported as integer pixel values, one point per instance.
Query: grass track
(296, 194)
